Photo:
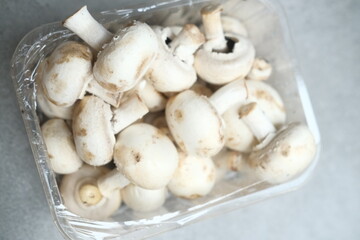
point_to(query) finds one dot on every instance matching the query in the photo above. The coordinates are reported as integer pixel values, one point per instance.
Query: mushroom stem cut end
(90, 194)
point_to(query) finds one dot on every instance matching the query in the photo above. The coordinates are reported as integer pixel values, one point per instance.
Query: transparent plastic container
(268, 31)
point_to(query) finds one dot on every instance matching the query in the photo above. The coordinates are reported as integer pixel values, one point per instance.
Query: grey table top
(327, 36)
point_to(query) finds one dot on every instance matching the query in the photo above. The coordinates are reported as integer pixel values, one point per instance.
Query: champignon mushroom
(66, 72)
(280, 156)
(260, 70)
(195, 121)
(124, 60)
(63, 158)
(173, 70)
(222, 59)
(145, 155)
(194, 177)
(238, 136)
(92, 129)
(143, 200)
(82, 197)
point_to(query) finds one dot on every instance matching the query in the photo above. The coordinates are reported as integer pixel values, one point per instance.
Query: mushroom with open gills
(92, 130)
(127, 55)
(238, 136)
(172, 70)
(143, 200)
(82, 197)
(66, 73)
(222, 59)
(281, 155)
(194, 177)
(63, 158)
(195, 121)
(145, 155)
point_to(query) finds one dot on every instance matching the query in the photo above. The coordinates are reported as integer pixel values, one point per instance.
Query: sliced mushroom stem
(111, 181)
(89, 194)
(88, 29)
(187, 42)
(211, 17)
(256, 120)
(129, 111)
(232, 93)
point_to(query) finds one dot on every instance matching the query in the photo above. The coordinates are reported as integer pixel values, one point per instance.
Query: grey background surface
(327, 38)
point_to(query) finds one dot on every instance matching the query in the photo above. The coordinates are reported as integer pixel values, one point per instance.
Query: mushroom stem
(90, 194)
(111, 181)
(211, 17)
(232, 93)
(256, 120)
(260, 70)
(88, 29)
(187, 42)
(129, 111)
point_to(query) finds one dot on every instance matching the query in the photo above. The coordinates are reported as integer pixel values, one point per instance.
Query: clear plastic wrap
(267, 30)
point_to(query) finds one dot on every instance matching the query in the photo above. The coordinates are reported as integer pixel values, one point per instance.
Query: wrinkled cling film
(267, 30)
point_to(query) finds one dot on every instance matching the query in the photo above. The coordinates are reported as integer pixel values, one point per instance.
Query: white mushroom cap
(143, 200)
(287, 155)
(49, 109)
(93, 134)
(280, 156)
(195, 124)
(125, 60)
(195, 121)
(194, 177)
(63, 158)
(220, 68)
(82, 197)
(66, 72)
(220, 61)
(172, 70)
(260, 70)
(132, 109)
(146, 156)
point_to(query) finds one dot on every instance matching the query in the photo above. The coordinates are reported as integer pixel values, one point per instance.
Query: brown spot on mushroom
(110, 86)
(82, 132)
(182, 145)
(74, 50)
(178, 115)
(285, 150)
(193, 196)
(261, 94)
(211, 175)
(136, 156)
(50, 156)
(88, 155)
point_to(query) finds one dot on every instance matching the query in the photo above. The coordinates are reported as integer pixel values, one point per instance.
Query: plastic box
(267, 29)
